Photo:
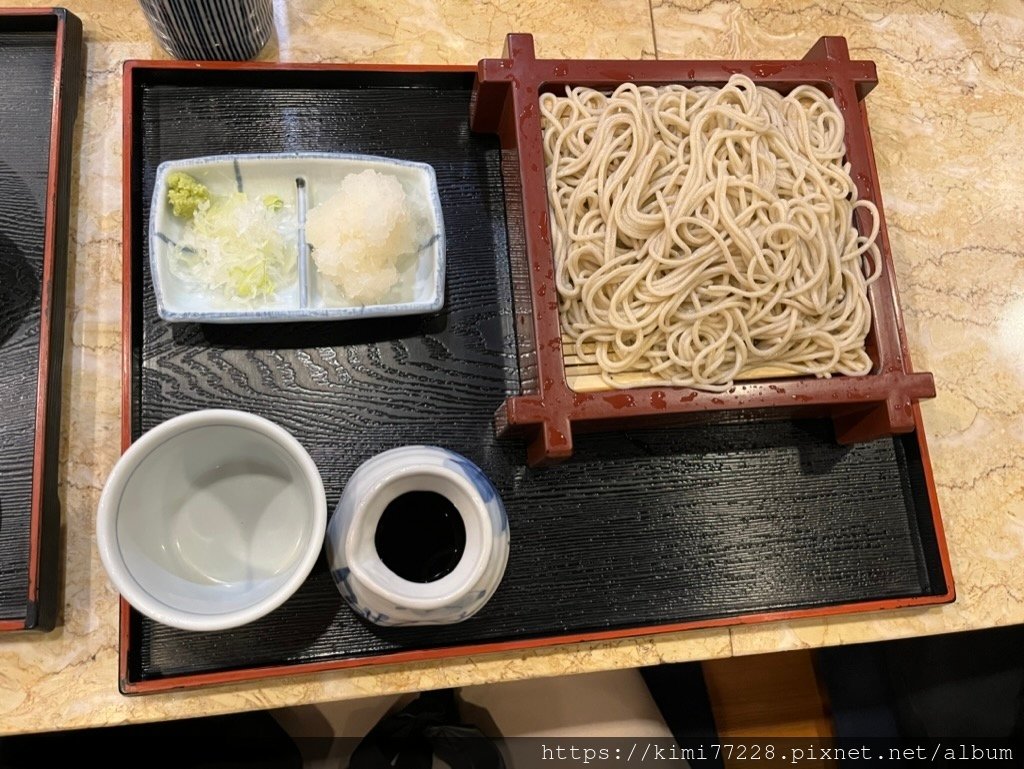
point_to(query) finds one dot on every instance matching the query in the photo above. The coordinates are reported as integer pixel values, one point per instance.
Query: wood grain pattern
(768, 696)
(26, 92)
(640, 528)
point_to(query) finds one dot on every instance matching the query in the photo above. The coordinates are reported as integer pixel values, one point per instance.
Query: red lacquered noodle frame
(548, 411)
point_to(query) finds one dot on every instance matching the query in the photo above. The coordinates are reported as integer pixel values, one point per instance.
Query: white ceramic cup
(376, 592)
(211, 520)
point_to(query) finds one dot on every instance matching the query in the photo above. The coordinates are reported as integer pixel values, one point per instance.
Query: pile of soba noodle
(700, 233)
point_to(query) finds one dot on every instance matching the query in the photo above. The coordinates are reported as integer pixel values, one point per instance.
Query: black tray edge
(42, 603)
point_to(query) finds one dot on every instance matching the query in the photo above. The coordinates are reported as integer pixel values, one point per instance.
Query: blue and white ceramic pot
(374, 590)
(232, 30)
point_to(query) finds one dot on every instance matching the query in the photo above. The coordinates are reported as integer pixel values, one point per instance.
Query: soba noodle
(700, 233)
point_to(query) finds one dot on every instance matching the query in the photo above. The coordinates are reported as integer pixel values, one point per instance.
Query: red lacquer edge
(427, 655)
(45, 311)
(933, 500)
(254, 674)
(128, 106)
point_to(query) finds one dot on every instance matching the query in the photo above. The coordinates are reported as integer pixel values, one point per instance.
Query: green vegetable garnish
(273, 202)
(185, 194)
(240, 246)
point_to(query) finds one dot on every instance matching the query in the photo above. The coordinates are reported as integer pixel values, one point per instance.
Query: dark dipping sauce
(420, 536)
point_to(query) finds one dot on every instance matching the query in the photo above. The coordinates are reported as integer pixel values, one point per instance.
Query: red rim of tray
(41, 596)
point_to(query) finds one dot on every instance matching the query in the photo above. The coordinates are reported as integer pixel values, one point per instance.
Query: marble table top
(947, 127)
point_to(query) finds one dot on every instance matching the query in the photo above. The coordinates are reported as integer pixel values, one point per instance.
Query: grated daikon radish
(359, 234)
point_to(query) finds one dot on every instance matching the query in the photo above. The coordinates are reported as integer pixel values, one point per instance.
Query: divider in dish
(301, 181)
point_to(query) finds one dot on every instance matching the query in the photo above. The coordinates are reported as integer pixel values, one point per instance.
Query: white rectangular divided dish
(302, 180)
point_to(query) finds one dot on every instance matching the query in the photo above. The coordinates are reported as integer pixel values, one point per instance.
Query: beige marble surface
(948, 127)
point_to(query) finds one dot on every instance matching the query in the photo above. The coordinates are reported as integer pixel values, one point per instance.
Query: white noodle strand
(700, 233)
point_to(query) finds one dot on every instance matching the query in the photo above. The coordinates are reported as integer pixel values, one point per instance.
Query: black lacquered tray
(40, 67)
(642, 531)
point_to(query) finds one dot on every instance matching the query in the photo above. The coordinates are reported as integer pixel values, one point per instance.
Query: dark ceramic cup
(232, 30)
